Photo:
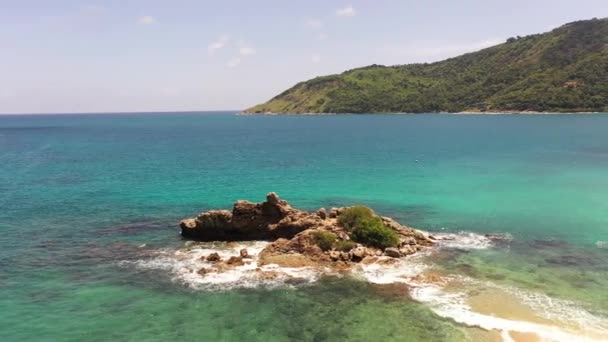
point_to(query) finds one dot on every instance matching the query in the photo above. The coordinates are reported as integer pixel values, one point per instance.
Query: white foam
(602, 244)
(464, 240)
(558, 310)
(184, 264)
(453, 305)
(400, 272)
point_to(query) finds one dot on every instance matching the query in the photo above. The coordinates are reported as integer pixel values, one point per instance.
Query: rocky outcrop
(296, 235)
(268, 220)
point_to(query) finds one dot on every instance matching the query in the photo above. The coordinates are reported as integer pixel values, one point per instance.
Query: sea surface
(90, 249)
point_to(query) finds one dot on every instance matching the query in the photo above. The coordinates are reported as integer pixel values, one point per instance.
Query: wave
(448, 296)
(565, 321)
(184, 264)
(470, 241)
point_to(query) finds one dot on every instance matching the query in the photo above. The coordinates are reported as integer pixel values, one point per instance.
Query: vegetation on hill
(564, 70)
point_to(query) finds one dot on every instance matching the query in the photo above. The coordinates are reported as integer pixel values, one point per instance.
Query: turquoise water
(79, 194)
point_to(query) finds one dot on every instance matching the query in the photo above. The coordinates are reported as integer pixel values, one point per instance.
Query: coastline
(525, 112)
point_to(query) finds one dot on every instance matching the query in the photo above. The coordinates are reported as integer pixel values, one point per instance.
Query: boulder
(204, 271)
(358, 253)
(244, 253)
(248, 221)
(235, 261)
(344, 256)
(392, 252)
(213, 257)
(322, 213)
(333, 212)
(334, 255)
(407, 250)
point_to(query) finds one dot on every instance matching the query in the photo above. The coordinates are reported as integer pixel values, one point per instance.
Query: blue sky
(161, 55)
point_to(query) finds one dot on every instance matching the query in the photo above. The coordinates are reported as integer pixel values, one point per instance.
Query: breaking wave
(470, 241)
(183, 266)
(447, 295)
(568, 322)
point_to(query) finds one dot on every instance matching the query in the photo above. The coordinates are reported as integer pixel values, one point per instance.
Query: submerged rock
(244, 254)
(235, 261)
(213, 257)
(299, 238)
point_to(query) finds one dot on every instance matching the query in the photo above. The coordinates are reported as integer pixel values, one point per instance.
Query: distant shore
(511, 112)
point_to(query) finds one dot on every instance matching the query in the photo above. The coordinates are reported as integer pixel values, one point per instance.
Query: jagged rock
(358, 253)
(213, 257)
(389, 222)
(204, 271)
(392, 252)
(268, 275)
(409, 241)
(333, 212)
(287, 260)
(248, 221)
(244, 253)
(407, 250)
(322, 213)
(235, 261)
(387, 261)
(294, 235)
(344, 256)
(188, 224)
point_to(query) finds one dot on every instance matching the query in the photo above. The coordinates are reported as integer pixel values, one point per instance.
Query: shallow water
(88, 199)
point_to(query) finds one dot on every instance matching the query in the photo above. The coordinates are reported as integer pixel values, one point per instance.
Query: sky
(69, 56)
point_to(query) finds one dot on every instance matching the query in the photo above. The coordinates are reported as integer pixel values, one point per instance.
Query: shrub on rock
(344, 245)
(367, 228)
(352, 216)
(324, 239)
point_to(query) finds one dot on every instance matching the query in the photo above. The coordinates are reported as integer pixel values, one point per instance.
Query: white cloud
(322, 36)
(220, 43)
(314, 24)
(315, 58)
(246, 51)
(348, 11)
(146, 20)
(234, 62)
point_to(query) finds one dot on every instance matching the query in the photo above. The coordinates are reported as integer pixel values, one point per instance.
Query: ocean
(90, 248)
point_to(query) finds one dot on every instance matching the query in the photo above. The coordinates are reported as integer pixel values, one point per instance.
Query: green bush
(344, 245)
(367, 228)
(325, 240)
(373, 232)
(351, 216)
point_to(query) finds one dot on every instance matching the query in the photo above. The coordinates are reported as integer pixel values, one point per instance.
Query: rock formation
(298, 238)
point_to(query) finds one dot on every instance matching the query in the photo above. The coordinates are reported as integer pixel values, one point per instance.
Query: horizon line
(125, 112)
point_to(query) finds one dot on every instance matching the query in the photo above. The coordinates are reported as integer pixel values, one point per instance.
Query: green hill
(565, 70)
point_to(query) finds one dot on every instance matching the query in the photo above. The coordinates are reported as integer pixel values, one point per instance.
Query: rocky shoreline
(337, 239)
